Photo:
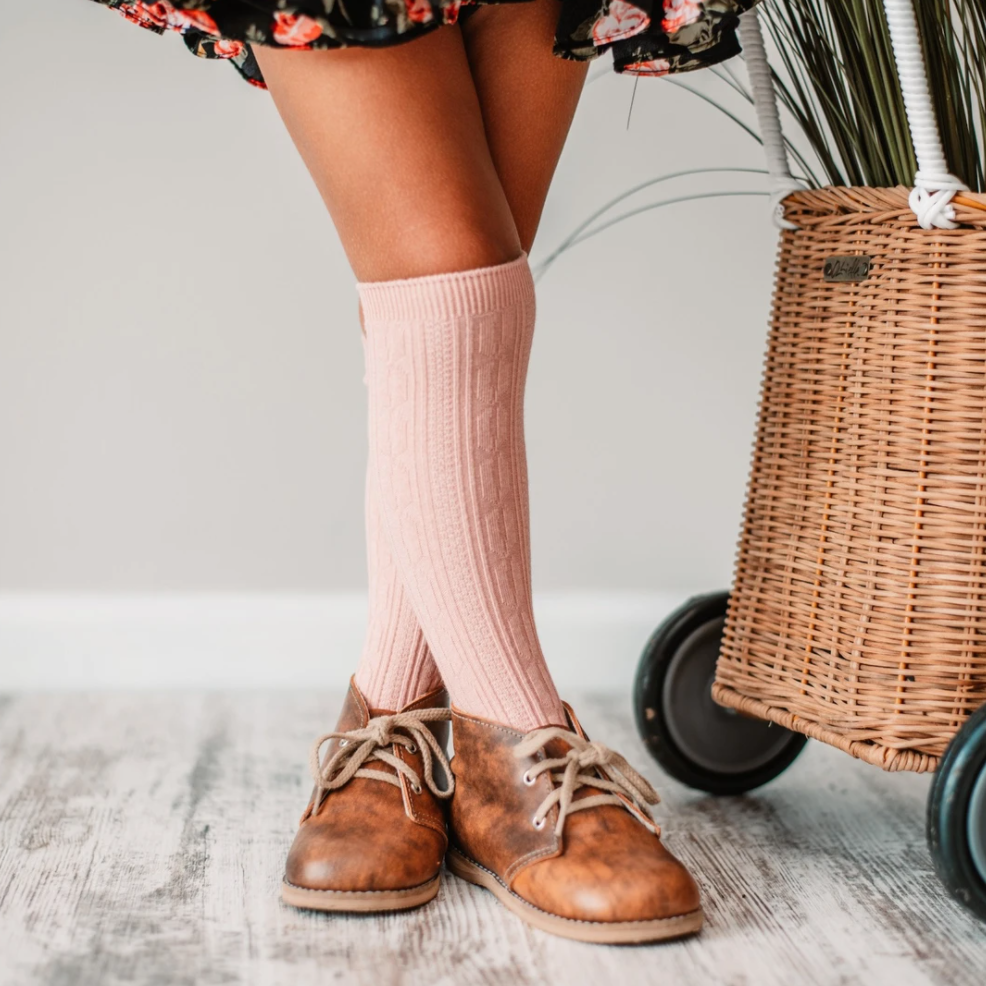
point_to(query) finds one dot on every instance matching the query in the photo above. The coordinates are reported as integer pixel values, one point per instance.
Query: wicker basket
(858, 611)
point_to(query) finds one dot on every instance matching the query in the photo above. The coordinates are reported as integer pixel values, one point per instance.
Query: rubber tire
(949, 806)
(652, 724)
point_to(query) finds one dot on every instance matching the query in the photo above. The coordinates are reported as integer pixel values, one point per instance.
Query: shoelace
(358, 746)
(572, 772)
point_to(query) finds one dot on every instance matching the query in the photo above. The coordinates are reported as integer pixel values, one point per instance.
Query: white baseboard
(592, 640)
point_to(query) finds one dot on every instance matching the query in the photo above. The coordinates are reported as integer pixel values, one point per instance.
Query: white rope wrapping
(768, 118)
(934, 186)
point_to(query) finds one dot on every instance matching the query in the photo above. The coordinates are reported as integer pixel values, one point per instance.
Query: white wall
(181, 405)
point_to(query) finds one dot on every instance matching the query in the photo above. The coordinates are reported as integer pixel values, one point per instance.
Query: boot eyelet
(416, 788)
(538, 825)
(344, 742)
(528, 780)
(412, 749)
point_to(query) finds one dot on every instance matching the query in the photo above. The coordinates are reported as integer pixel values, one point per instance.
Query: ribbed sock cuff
(442, 296)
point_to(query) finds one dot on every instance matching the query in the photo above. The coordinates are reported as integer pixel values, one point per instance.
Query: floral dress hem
(645, 37)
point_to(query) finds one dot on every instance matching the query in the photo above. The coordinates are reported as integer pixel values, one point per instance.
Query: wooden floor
(142, 838)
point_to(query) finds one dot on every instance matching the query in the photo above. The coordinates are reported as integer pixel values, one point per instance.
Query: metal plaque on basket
(850, 268)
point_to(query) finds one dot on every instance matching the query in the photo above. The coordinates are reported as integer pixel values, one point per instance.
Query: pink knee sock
(396, 666)
(446, 366)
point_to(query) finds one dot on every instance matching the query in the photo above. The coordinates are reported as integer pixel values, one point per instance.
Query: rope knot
(783, 186)
(931, 200)
(368, 743)
(593, 754)
(586, 764)
(380, 730)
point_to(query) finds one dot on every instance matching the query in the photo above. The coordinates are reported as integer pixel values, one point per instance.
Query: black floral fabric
(646, 37)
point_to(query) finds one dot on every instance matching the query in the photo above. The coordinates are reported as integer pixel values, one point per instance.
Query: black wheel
(695, 740)
(957, 816)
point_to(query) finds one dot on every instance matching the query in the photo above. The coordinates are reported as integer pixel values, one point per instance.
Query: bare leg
(394, 140)
(528, 98)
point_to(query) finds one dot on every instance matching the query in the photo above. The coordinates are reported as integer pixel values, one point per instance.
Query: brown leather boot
(559, 830)
(373, 835)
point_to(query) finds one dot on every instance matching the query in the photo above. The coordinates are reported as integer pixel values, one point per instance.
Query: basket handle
(934, 186)
(782, 182)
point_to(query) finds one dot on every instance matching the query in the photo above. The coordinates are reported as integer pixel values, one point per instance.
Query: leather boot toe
(621, 874)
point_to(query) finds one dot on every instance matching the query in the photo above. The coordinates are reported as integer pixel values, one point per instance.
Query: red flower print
(419, 11)
(191, 20)
(146, 14)
(450, 14)
(225, 48)
(295, 29)
(679, 14)
(622, 20)
(162, 14)
(655, 66)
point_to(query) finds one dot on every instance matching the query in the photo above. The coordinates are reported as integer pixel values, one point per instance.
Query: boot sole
(359, 901)
(597, 932)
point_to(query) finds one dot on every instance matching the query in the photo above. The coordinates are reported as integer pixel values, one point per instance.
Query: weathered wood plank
(142, 839)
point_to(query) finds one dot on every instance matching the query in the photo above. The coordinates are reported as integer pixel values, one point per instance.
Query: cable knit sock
(396, 666)
(446, 366)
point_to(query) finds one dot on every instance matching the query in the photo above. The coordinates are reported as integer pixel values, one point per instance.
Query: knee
(438, 246)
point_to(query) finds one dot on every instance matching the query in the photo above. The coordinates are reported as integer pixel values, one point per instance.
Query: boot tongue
(557, 748)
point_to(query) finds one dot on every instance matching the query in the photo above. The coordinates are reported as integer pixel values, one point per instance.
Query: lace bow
(578, 769)
(359, 746)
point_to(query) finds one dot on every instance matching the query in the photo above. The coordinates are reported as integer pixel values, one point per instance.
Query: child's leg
(394, 140)
(398, 148)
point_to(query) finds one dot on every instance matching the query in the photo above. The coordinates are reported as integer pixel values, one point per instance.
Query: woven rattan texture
(858, 612)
